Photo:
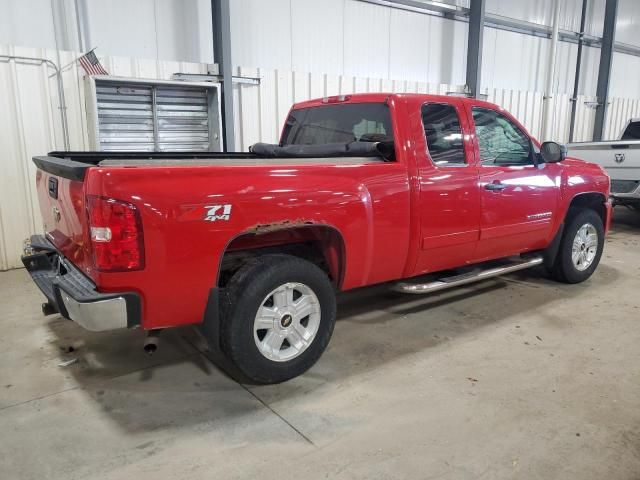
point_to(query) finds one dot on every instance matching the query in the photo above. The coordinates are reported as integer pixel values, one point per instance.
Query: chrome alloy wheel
(286, 322)
(585, 247)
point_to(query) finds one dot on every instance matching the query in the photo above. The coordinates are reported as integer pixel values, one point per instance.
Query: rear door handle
(496, 186)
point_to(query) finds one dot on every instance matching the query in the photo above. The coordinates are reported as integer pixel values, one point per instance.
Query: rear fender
(321, 244)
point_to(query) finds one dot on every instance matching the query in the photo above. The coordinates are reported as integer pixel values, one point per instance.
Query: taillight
(116, 235)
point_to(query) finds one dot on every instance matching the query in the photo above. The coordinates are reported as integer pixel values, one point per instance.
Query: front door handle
(496, 186)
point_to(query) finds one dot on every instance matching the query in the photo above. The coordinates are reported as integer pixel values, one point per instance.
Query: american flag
(91, 64)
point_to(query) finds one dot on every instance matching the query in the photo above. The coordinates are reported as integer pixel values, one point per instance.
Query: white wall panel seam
(22, 143)
(19, 111)
(4, 255)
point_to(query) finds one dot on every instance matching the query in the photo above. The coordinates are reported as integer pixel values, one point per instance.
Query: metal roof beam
(221, 25)
(474, 46)
(604, 71)
(461, 14)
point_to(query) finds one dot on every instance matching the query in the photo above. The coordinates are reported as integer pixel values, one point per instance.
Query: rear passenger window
(443, 133)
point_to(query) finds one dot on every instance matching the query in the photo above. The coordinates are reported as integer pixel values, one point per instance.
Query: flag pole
(76, 59)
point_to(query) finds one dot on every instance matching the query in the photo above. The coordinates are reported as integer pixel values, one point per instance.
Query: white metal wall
(541, 12)
(347, 37)
(619, 113)
(30, 124)
(355, 38)
(262, 109)
(340, 37)
(160, 29)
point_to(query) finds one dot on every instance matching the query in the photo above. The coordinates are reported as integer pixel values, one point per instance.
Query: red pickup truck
(424, 192)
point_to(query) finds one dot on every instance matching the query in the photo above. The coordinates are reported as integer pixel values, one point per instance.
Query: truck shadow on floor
(183, 384)
(376, 327)
(625, 220)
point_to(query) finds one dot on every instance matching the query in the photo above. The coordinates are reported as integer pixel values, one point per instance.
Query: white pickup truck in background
(621, 159)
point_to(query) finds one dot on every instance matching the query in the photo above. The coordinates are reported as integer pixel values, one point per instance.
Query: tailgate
(60, 190)
(620, 159)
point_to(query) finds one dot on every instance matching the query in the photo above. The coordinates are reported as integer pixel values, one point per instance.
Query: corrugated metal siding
(628, 22)
(619, 112)
(367, 40)
(541, 12)
(31, 123)
(162, 29)
(351, 38)
(262, 109)
(625, 72)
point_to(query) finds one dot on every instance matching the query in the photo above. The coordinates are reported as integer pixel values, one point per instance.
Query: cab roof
(381, 97)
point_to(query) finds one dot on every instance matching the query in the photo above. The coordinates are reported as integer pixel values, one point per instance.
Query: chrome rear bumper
(73, 295)
(99, 315)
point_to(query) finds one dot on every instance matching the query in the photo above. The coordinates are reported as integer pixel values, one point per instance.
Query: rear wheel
(581, 247)
(278, 316)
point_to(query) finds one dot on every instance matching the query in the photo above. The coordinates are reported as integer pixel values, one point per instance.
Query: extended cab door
(519, 197)
(449, 195)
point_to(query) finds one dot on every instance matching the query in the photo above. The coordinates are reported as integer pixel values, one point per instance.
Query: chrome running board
(465, 278)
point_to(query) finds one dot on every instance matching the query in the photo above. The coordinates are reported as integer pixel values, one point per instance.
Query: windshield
(364, 122)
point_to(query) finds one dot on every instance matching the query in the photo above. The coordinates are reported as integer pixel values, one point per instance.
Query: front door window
(500, 141)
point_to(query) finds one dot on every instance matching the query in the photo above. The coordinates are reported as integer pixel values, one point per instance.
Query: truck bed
(73, 165)
(227, 161)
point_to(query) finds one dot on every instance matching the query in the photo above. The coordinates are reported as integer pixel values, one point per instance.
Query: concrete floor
(518, 377)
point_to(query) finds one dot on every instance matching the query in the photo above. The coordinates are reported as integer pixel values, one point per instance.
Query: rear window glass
(365, 122)
(632, 132)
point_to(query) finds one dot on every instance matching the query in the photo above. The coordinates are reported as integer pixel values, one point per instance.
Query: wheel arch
(320, 244)
(593, 200)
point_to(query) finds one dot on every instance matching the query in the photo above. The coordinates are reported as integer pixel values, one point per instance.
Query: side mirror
(552, 152)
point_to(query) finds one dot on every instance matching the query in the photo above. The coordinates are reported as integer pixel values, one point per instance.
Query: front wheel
(278, 315)
(581, 247)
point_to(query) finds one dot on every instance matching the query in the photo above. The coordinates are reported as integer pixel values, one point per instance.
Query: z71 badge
(218, 212)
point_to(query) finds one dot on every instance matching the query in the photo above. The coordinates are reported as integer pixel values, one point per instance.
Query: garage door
(143, 117)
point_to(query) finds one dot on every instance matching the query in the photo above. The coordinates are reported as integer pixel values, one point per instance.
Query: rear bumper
(625, 199)
(625, 192)
(73, 295)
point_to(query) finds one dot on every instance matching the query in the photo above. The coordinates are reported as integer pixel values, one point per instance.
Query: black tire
(245, 294)
(564, 269)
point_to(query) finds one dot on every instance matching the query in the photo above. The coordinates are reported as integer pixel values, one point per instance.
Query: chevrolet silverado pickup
(418, 191)
(621, 159)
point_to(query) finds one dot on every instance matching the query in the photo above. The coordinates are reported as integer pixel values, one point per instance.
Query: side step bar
(457, 280)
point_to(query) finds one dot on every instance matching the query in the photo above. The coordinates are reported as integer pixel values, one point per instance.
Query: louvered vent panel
(183, 118)
(138, 117)
(125, 117)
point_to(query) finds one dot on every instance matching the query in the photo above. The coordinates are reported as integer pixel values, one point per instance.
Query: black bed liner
(73, 165)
